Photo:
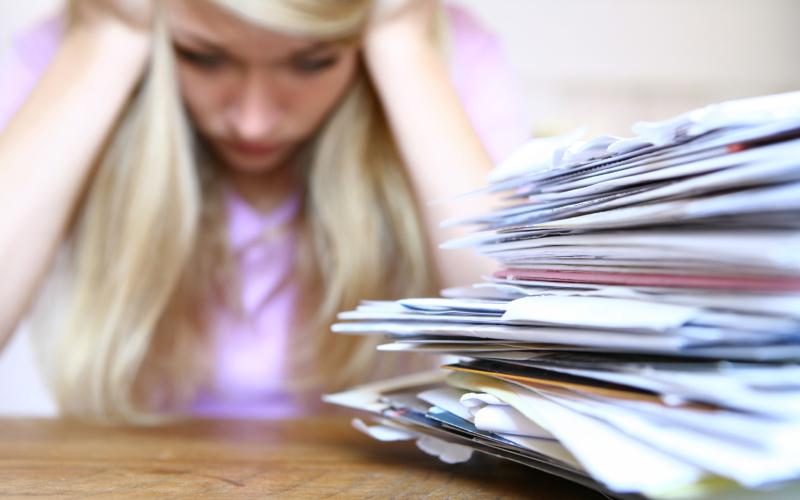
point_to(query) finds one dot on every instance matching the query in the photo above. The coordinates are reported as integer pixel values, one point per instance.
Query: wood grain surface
(307, 458)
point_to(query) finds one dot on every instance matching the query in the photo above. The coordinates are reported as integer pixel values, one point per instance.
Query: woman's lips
(254, 149)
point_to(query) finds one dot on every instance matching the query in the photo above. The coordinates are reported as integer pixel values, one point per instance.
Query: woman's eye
(201, 59)
(310, 66)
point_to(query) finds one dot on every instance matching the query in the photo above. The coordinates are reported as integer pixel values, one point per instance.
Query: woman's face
(255, 95)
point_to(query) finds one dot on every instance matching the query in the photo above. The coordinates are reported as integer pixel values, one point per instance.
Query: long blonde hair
(123, 320)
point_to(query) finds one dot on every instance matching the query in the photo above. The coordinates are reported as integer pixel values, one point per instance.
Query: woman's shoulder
(38, 43)
(486, 82)
(464, 25)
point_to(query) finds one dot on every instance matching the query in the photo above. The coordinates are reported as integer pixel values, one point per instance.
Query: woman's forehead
(203, 23)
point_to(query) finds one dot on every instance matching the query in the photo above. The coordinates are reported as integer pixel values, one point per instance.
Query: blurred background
(600, 63)
(608, 63)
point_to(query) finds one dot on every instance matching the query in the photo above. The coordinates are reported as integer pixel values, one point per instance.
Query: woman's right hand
(133, 15)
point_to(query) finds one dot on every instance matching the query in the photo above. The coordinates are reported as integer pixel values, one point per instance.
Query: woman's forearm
(48, 148)
(442, 151)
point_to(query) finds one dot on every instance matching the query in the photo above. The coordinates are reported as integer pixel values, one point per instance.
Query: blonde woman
(194, 188)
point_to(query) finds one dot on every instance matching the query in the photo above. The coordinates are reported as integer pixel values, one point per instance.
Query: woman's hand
(135, 16)
(406, 20)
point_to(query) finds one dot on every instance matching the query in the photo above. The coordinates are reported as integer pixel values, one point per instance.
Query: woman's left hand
(401, 18)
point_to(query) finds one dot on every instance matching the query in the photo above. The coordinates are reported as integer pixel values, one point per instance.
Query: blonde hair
(123, 321)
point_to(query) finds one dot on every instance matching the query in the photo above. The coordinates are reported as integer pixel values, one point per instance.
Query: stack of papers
(642, 333)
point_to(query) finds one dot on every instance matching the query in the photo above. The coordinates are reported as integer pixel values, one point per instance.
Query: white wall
(607, 63)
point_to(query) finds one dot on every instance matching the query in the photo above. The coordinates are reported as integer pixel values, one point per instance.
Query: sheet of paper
(784, 197)
(632, 467)
(600, 312)
(753, 467)
(505, 419)
(565, 336)
(447, 398)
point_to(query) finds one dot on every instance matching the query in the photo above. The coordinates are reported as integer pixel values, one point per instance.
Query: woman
(254, 168)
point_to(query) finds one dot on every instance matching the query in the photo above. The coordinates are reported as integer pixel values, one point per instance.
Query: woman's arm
(49, 146)
(442, 151)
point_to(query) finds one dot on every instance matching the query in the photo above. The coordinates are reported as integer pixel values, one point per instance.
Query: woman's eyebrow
(194, 39)
(312, 49)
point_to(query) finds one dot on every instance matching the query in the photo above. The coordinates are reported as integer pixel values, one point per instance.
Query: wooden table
(309, 458)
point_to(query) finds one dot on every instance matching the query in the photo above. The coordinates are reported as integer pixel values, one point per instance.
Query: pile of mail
(642, 333)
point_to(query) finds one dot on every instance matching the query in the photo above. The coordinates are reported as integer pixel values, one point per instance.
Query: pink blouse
(249, 372)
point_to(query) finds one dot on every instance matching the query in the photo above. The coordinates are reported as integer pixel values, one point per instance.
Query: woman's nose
(257, 108)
